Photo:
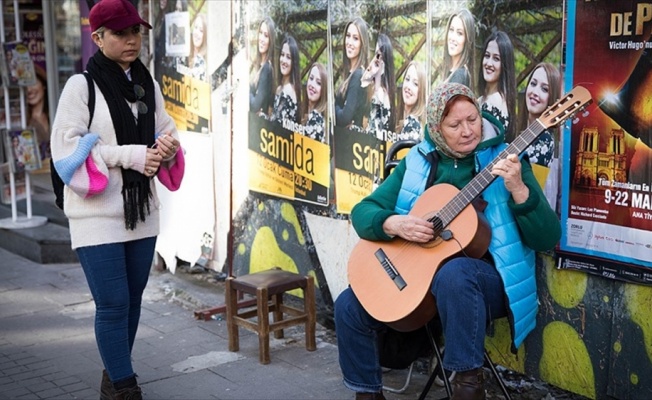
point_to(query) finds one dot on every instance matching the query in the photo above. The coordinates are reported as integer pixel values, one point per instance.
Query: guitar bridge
(390, 269)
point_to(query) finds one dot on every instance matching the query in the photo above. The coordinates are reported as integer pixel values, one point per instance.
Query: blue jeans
(117, 274)
(469, 294)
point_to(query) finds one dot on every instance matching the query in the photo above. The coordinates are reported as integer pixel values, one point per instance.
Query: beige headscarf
(435, 109)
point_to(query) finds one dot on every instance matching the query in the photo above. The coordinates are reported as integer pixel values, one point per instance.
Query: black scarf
(116, 87)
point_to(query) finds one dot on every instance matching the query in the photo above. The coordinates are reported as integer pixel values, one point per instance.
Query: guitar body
(413, 306)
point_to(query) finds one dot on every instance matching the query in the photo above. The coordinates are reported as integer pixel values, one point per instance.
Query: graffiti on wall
(273, 233)
(593, 336)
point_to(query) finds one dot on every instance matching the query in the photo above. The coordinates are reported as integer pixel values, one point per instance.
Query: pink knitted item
(171, 177)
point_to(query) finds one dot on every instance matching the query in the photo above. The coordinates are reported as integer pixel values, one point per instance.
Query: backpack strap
(91, 97)
(57, 182)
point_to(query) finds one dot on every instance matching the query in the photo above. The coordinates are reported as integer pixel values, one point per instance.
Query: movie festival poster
(289, 120)
(606, 181)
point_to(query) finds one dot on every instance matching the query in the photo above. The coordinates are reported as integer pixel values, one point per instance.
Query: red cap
(115, 15)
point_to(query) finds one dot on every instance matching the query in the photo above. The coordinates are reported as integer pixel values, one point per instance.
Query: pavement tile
(7, 286)
(68, 380)
(56, 376)
(8, 386)
(42, 386)
(86, 394)
(198, 385)
(15, 370)
(51, 393)
(171, 324)
(73, 387)
(22, 358)
(77, 363)
(16, 393)
(29, 380)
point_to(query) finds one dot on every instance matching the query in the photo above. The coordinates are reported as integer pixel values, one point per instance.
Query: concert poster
(359, 163)
(180, 35)
(289, 120)
(286, 163)
(607, 170)
(364, 134)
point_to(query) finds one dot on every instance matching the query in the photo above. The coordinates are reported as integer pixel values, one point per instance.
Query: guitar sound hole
(438, 226)
(437, 230)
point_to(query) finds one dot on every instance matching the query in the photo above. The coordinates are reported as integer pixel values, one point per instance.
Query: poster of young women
(379, 85)
(180, 38)
(606, 189)
(289, 121)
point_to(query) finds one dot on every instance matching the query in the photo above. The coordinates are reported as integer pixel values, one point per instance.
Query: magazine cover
(14, 108)
(21, 150)
(5, 184)
(18, 68)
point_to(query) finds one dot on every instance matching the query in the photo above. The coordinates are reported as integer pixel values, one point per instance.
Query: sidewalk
(48, 350)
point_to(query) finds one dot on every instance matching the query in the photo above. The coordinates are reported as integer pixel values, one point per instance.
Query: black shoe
(130, 393)
(369, 396)
(128, 389)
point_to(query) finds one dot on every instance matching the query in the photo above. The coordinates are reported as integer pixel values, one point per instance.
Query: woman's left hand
(510, 169)
(167, 146)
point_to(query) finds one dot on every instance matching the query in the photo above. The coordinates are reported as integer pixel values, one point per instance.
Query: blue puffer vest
(514, 261)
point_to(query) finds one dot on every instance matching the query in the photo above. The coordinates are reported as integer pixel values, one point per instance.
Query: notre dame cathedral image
(593, 165)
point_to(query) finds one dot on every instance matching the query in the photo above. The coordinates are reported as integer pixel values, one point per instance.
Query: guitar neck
(482, 180)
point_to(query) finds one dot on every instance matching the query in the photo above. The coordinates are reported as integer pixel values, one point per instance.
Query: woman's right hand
(410, 228)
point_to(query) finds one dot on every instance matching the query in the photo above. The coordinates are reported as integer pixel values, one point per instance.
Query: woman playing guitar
(471, 287)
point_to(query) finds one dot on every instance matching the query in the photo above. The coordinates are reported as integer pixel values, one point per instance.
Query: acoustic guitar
(391, 279)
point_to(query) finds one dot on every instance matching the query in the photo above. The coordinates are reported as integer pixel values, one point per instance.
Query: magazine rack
(29, 220)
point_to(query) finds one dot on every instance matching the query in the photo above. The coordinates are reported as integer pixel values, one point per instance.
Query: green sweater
(533, 217)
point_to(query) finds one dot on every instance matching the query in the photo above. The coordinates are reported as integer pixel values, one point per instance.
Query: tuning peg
(585, 114)
(576, 120)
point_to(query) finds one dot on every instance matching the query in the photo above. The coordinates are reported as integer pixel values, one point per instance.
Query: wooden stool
(268, 288)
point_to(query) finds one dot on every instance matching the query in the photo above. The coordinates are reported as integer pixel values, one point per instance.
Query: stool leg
(231, 312)
(263, 325)
(277, 299)
(309, 308)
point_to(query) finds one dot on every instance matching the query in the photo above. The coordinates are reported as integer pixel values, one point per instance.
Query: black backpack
(397, 350)
(57, 182)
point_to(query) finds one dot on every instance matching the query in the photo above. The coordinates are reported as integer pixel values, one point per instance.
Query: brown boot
(106, 388)
(128, 389)
(369, 396)
(469, 385)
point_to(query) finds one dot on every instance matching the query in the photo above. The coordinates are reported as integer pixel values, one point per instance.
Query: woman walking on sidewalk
(107, 163)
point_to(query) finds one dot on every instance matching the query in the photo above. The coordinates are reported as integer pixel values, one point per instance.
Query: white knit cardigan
(98, 218)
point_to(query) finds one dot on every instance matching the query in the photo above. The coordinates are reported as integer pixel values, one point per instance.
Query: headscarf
(437, 102)
(116, 88)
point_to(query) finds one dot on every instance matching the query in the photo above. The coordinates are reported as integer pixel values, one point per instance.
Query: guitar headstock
(571, 103)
